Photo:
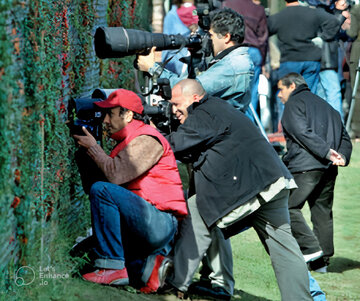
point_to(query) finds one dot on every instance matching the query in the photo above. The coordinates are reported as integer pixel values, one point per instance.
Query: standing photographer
(135, 214)
(230, 72)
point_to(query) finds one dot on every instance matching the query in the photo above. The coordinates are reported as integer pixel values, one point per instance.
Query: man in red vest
(135, 214)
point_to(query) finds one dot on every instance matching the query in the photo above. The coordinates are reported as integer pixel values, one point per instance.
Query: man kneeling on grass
(135, 213)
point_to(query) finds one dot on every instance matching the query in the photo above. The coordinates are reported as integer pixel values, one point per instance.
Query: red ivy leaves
(17, 177)
(15, 202)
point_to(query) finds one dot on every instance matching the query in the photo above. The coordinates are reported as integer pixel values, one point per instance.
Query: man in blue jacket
(317, 142)
(231, 70)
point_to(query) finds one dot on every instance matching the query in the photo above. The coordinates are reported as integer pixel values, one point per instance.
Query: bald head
(184, 94)
(190, 86)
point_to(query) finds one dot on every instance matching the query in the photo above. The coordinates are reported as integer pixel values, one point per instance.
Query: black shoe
(318, 265)
(204, 289)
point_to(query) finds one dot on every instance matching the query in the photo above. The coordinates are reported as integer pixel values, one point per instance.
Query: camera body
(159, 110)
(203, 9)
(84, 113)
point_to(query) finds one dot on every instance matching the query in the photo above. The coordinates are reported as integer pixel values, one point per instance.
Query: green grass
(254, 276)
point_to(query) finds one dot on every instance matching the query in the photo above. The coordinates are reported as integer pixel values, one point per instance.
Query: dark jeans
(317, 188)
(126, 227)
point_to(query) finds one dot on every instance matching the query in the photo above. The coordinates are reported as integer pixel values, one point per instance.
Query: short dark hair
(293, 77)
(136, 116)
(122, 111)
(225, 21)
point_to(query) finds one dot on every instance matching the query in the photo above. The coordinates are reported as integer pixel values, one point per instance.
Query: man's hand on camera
(86, 141)
(145, 62)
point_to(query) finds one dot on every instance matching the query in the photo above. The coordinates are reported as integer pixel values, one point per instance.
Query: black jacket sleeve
(194, 137)
(345, 147)
(330, 25)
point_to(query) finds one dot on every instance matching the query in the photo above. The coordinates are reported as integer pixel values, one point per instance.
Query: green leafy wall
(46, 58)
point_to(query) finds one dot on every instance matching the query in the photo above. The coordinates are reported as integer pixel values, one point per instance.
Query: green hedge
(46, 58)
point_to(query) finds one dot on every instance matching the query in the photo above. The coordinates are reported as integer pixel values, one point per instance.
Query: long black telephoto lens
(117, 42)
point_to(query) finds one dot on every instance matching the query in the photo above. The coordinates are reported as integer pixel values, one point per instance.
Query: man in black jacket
(239, 181)
(317, 143)
(296, 27)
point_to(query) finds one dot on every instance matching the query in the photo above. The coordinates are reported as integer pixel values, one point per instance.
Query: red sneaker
(111, 277)
(158, 275)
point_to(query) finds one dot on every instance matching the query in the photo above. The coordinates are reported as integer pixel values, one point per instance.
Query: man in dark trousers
(239, 180)
(317, 143)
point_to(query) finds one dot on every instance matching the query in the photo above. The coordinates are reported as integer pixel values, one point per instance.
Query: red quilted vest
(160, 185)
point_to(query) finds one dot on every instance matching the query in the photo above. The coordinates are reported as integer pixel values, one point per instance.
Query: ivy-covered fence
(47, 57)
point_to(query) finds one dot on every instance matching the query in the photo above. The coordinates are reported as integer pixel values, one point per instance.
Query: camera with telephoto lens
(118, 42)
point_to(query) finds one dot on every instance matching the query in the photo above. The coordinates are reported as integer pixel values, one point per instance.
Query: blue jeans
(126, 227)
(316, 293)
(330, 90)
(256, 57)
(308, 69)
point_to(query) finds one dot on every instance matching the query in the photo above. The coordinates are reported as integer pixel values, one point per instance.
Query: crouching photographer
(135, 211)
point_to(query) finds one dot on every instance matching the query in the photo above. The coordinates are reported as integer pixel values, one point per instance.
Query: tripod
(353, 99)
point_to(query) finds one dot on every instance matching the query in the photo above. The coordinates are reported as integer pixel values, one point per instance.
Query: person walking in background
(329, 83)
(354, 32)
(317, 143)
(297, 27)
(179, 20)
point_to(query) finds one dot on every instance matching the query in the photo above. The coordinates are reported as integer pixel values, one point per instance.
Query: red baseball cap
(122, 98)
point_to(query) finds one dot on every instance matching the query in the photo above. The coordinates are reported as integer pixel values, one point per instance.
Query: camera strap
(158, 69)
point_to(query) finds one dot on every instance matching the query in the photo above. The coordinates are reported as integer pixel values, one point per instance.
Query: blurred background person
(354, 32)
(256, 37)
(179, 20)
(329, 84)
(296, 27)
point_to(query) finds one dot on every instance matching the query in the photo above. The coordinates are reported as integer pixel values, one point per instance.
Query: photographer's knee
(96, 188)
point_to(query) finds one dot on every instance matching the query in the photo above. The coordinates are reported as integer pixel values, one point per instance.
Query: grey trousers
(271, 222)
(194, 241)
